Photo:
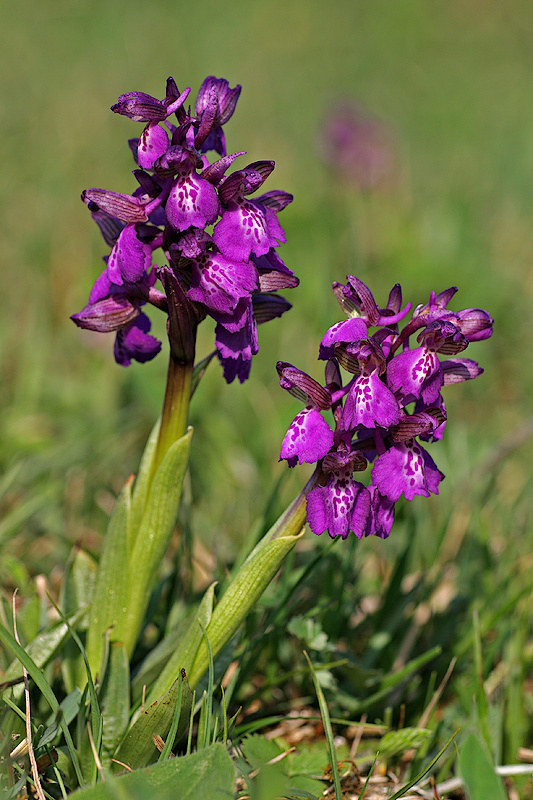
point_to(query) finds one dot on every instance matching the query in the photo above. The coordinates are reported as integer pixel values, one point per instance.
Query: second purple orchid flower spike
(373, 425)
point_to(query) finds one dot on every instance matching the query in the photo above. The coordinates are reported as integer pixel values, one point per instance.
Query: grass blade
(326, 721)
(37, 676)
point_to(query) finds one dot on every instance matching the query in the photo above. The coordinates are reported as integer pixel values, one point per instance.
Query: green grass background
(452, 78)
(453, 81)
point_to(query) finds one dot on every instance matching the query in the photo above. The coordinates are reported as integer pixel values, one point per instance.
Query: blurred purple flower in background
(392, 398)
(357, 145)
(228, 271)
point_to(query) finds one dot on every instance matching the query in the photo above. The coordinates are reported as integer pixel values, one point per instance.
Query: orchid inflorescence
(229, 272)
(372, 420)
(220, 246)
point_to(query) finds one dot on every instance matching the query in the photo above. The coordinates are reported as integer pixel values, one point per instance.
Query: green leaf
(199, 371)
(142, 483)
(187, 647)
(112, 587)
(153, 536)
(477, 771)
(258, 750)
(208, 773)
(137, 748)
(41, 650)
(115, 699)
(241, 596)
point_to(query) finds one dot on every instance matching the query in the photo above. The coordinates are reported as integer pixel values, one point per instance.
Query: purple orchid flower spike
(230, 272)
(374, 422)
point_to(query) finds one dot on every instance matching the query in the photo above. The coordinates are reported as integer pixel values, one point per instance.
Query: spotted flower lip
(374, 421)
(220, 243)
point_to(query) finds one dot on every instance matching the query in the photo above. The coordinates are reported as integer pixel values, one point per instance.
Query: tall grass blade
(326, 721)
(37, 676)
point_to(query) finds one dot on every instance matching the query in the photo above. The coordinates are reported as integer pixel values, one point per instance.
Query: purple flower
(230, 272)
(372, 421)
(134, 342)
(130, 259)
(341, 506)
(406, 469)
(249, 226)
(357, 145)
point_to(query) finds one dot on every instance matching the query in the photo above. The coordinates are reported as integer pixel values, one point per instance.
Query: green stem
(175, 407)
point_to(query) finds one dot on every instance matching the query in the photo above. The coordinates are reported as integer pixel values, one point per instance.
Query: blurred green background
(451, 80)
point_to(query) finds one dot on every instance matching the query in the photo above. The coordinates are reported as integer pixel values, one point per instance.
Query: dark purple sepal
(275, 199)
(302, 386)
(412, 425)
(108, 314)
(135, 343)
(148, 184)
(268, 307)
(110, 227)
(226, 98)
(332, 376)
(207, 117)
(394, 303)
(360, 295)
(123, 206)
(475, 323)
(140, 107)
(215, 172)
(457, 370)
